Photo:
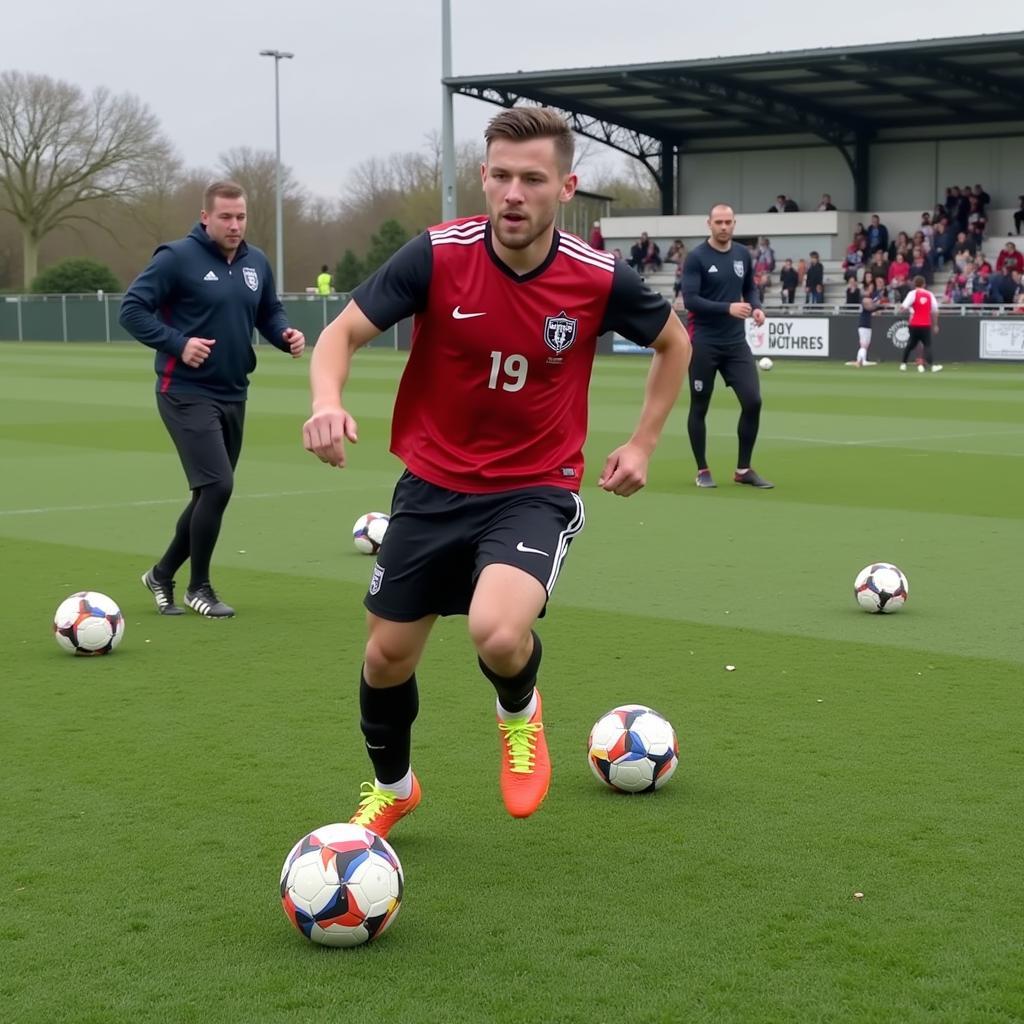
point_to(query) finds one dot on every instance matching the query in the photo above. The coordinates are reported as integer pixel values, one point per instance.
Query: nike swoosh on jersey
(459, 315)
(530, 551)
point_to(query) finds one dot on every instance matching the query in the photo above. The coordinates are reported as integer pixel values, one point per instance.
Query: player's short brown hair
(223, 190)
(919, 281)
(523, 123)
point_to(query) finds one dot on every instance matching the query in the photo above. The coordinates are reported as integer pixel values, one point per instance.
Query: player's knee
(388, 660)
(219, 491)
(751, 405)
(499, 644)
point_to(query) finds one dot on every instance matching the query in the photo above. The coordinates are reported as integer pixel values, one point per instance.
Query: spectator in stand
(879, 266)
(801, 272)
(874, 288)
(596, 238)
(901, 244)
(1002, 288)
(898, 278)
(645, 255)
(1018, 215)
(853, 292)
(982, 196)
(1018, 299)
(826, 203)
(764, 259)
(760, 283)
(980, 285)
(878, 235)
(964, 248)
(977, 222)
(676, 252)
(982, 265)
(856, 257)
(677, 284)
(859, 229)
(956, 208)
(783, 204)
(920, 266)
(943, 242)
(921, 241)
(617, 253)
(926, 228)
(789, 279)
(1009, 259)
(814, 282)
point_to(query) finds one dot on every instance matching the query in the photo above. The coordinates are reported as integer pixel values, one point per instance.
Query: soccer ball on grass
(881, 587)
(633, 749)
(368, 532)
(341, 885)
(88, 623)
(765, 363)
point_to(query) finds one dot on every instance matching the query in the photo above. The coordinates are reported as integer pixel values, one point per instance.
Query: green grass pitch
(149, 798)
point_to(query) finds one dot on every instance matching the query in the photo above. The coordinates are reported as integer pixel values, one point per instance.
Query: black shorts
(919, 335)
(438, 542)
(734, 361)
(207, 433)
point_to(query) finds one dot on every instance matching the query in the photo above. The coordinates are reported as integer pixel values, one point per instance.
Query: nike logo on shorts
(530, 551)
(457, 314)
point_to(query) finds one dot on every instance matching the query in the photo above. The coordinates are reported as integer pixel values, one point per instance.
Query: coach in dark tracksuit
(719, 294)
(196, 304)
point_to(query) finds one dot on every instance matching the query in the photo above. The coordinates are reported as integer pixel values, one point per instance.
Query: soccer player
(490, 420)
(196, 304)
(867, 310)
(719, 292)
(924, 319)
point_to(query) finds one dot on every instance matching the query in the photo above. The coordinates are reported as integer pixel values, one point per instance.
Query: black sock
(386, 717)
(514, 693)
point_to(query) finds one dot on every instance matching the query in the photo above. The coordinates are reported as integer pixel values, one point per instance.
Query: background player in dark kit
(719, 294)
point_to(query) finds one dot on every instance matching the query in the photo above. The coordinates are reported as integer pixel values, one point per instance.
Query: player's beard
(521, 240)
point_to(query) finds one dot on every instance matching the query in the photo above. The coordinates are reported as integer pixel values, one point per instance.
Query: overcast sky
(365, 78)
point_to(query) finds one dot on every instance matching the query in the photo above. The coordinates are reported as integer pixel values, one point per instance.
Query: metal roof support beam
(667, 163)
(949, 73)
(591, 125)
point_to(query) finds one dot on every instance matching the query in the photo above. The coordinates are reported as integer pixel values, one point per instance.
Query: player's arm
(646, 319)
(395, 291)
(935, 312)
(147, 294)
(750, 292)
(272, 322)
(907, 302)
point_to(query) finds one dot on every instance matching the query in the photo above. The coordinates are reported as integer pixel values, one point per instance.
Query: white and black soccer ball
(342, 885)
(368, 532)
(633, 749)
(881, 587)
(765, 363)
(88, 623)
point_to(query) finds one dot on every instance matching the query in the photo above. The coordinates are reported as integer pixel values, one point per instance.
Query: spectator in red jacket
(897, 278)
(1009, 259)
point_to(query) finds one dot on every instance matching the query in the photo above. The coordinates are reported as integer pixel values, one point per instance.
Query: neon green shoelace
(371, 802)
(520, 739)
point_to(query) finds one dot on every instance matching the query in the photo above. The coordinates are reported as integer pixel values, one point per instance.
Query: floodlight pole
(448, 194)
(278, 55)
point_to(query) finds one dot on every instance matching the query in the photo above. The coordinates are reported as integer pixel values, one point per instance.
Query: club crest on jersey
(250, 277)
(737, 265)
(559, 332)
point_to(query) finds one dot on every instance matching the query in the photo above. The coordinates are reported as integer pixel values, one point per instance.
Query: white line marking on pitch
(144, 504)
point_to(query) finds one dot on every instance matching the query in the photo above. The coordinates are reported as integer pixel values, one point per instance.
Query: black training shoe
(704, 478)
(751, 477)
(206, 602)
(163, 594)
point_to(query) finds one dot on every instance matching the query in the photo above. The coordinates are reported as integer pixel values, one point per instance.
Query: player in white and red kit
(924, 319)
(490, 420)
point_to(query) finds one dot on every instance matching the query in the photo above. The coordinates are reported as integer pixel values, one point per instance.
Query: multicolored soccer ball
(881, 587)
(765, 363)
(633, 749)
(368, 532)
(342, 885)
(88, 623)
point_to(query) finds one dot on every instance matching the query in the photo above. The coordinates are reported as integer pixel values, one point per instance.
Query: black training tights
(749, 395)
(195, 534)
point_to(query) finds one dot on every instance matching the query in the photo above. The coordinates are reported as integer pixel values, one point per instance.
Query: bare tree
(60, 151)
(256, 171)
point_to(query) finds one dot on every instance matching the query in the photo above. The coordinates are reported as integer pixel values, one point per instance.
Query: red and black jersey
(494, 395)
